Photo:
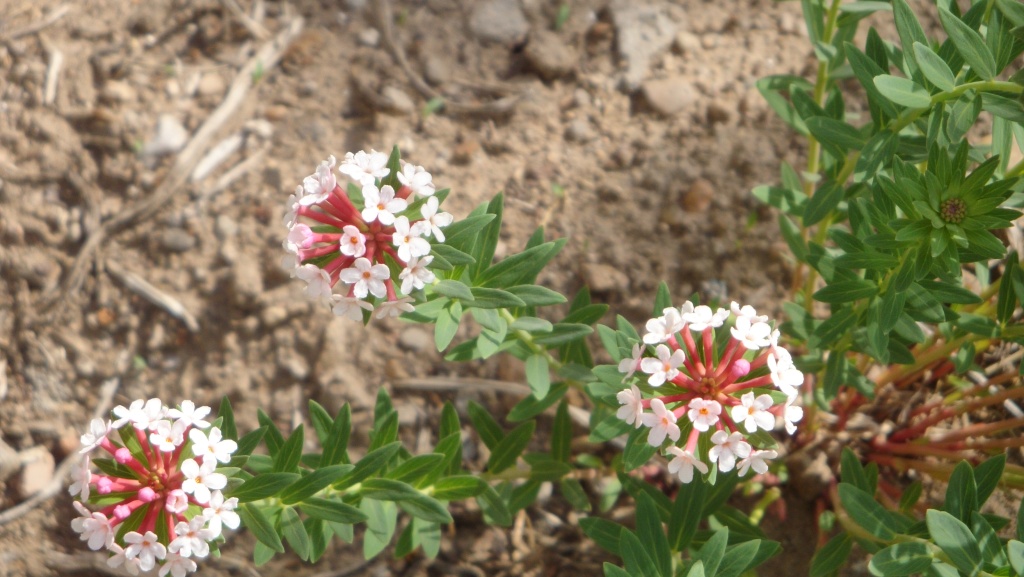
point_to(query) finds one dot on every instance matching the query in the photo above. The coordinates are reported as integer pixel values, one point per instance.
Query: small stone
(717, 114)
(604, 278)
(500, 21)
(581, 98)
(37, 466)
(687, 42)
(276, 112)
(211, 85)
(437, 70)
(170, 137)
(698, 198)
(579, 130)
(9, 461)
(395, 99)
(225, 227)
(118, 91)
(642, 33)
(177, 240)
(369, 37)
(246, 280)
(669, 96)
(464, 151)
(549, 55)
(273, 316)
(415, 339)
(409, 415)
(293, 363)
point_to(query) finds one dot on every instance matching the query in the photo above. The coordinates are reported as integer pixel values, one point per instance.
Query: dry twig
(265, 59)
(141, 287)
(69, 462)
(254, 27)
(50, 19)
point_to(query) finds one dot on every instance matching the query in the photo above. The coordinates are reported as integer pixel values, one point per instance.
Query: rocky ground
(141, 197)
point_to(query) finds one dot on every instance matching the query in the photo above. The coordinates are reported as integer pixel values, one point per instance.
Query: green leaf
(382, 518)
(426, 508)
(508, 449)
(696, 570)
(333, 510)
(483, 249)
(712, 552)
(460, 233)
(489, 430)
(561, 434)
(955, 540)
(1015, 553)
(687, 512)
(852, 472)
(295, 533)
(373, 462)
(824, 201)
(866, 512)
(492, 298)
(262, 486)
(416, 468)
(987, 476)
(563, 333)
(256, 521)
(910, 497)
(901, 559)
(651, 534)
(494, 507)
(740, 558)
(934, 68)
(909, 29)
(458, 487)
(949, 293)
(603, 532)
(531, 406)
(248, 443)
(962, 492)
(832, 556)
(453, 289)
(287, 460)
(447, 325)
(520, 268)
(969, 44)
(573, 492)
(227, 417)
(846, 291)
(638, 561)
(273, 437)
(537, 296)
(903, 91)
(531, 325)
(538, 375)
(614, 571)
(867, 260)
(638, 450)
(837, 133)
(312, 483)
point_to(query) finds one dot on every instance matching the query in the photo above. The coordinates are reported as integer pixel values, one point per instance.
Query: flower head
(662, 423)
(632, 409)
(684, 463)
(417, 179)
(364, 167)
(753, 412)
(728, 446)
(630, 364)
(704, 413)
(665, 367)
(158, 488)
(757, 460)
(381, 204)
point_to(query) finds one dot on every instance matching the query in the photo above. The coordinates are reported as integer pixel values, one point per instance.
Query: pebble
(669, 96)
(717, 114)
(369, 37)
(9, 461)
(642, 33)
(416, 340)
(37, 466)
(698, 197)
(273, 315)
(177, 240)
(395, 99)
(604, 278)
(211, 85)
(409, 415)
(293, 363)
(500, 21)
(549, 55)
(118, 91)
(579, 130)
(170, 137)
(437, 70)
(246, 280)
(687, 42)
(225, 227)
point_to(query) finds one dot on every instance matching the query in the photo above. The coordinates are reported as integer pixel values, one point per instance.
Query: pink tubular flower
(718, 368)
(160, 491)
(364, 238)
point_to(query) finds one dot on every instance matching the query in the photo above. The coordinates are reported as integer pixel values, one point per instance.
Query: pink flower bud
(147, 495)
(104, 485)
(122, 511)
(123, 456)
(739, 368)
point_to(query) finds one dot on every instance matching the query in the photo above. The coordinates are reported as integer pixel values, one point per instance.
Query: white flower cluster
(349, 243)
(161, 483)
(718, 394)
